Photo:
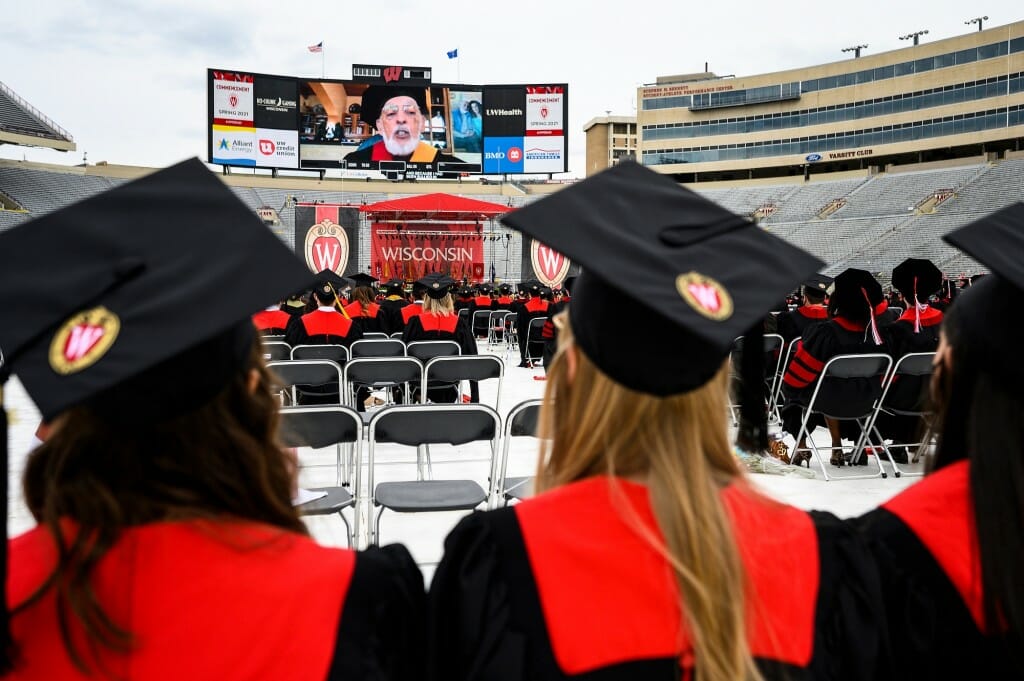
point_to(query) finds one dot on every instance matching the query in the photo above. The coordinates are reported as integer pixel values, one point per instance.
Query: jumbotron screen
(418, 130)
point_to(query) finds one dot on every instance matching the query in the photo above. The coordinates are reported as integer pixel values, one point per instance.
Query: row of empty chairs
(412, 426)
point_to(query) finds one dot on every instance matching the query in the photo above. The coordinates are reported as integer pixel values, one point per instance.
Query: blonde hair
(595, 426)
(438, 307)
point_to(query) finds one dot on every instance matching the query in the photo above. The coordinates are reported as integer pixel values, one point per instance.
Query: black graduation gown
(924, 543)
(794, 323)
(322, 328)
(837, 336)
(908, 392)
(531, 309)
(369, 320)
(391, 314)
(450, 327)
(564, 586)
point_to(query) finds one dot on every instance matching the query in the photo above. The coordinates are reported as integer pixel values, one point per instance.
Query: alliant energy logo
(705, 295)
(83, 339)
(549, 265)
(326, 247)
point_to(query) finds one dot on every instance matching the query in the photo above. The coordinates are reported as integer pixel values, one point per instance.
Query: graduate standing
(950, 549)
(647, 555)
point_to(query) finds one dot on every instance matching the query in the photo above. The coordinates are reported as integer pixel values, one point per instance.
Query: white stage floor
(424, 533)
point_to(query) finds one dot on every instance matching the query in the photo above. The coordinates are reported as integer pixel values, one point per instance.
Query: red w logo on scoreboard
(392, 73)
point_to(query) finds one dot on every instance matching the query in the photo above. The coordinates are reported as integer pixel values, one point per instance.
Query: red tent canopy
(436, 205)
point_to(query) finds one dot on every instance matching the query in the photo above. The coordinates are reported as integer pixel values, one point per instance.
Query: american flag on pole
(319, 47)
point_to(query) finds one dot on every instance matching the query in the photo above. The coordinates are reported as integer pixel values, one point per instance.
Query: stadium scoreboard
(279, 122)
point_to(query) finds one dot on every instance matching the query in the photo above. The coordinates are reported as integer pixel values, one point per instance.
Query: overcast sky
(127, 78)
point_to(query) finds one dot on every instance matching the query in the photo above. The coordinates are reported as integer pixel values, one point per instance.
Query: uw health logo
(705, 295)
(326, 247)
(549, 265)
(83, 339)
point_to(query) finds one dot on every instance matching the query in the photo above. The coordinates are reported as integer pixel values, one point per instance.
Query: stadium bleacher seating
(875, 228)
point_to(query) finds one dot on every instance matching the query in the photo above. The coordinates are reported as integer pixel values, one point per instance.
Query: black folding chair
(276, 350)
(441, 371)
(870, 371)
(381, 373)
(427, 350)
(322, 426)
(915, 365)
(377, 347)
(419, 425)
(533, 339)
(335, 353)
(480, 320)
(520, 422)
(496, 328)
(297, 375)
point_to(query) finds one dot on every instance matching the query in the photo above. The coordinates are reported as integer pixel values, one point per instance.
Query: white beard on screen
(400, 147)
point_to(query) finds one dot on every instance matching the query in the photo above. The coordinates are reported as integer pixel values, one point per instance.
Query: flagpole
(323, 57)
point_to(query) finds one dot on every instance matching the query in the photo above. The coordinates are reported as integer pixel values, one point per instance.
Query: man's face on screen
(400, 124)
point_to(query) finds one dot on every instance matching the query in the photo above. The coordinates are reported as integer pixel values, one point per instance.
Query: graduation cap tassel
(918, 308)
(875, 336)
(752, 436)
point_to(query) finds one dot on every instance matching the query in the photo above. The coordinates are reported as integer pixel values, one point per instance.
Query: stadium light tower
(977, 20)
(916, 35)
(855, 49)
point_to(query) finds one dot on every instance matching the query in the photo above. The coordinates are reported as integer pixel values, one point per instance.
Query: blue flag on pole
(453, 54)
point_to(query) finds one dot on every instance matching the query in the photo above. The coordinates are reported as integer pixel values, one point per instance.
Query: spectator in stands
(791, 324)
(439, 321)
(646, 554)
(167, 545)
(951, 547)
(851, 329)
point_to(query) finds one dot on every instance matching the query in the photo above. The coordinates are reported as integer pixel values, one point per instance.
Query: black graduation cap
(818, 282)
(917, 277)
(376, 96)
(362, 279)
(505, 289)
(333, 278)
(465, 292)
(437, 285)
(101, 299)
(996, 241)
(696, 276)
(532, 286)
(394, 287)
(855, 295)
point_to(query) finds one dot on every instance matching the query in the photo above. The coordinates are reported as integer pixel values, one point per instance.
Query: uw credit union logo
(267, 147)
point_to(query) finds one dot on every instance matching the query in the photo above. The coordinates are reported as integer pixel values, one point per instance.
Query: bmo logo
(267, 147)
(503, 155)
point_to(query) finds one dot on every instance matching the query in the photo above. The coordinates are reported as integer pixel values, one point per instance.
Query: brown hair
(592, 425)
(364, 296)
(219, 461)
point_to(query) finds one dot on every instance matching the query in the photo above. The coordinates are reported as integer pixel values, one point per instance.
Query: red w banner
(411, 253)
